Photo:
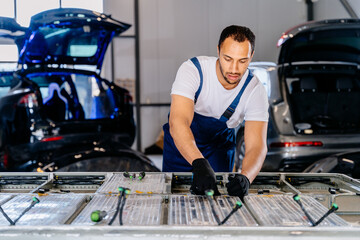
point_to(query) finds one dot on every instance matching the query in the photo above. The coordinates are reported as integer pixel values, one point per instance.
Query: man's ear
(252, 55)
(218, 51)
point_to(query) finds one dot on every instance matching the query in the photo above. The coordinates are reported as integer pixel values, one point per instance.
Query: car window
(5, 82)
(326, 45)
(83, 46)
(71, 42)
(81, 97)
(96, 97)
(344, 38)
(264, 78)
(4, 90)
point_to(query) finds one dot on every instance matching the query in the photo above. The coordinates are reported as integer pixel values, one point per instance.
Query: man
(209, 98)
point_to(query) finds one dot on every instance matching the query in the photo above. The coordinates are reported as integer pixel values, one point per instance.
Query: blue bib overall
(212, 136)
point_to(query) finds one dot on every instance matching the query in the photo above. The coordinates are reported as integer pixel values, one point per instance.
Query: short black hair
(239, 34)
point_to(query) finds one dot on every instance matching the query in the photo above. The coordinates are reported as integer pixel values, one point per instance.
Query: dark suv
(314, 94)
(59, 113)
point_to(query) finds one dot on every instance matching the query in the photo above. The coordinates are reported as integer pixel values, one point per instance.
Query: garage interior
(137, 199)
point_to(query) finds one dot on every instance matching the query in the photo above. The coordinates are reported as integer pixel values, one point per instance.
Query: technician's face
(234, 59)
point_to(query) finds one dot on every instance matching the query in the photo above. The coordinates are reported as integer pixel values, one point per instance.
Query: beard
(226, 79)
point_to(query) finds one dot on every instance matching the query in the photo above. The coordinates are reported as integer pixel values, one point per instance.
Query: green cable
(237, 206)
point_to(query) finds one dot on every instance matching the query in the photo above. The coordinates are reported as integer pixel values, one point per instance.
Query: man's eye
(227, 59)
(243, 61)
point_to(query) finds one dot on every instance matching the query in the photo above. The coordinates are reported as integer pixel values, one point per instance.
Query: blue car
(59, 114)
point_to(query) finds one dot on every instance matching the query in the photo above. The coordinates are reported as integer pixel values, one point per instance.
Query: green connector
(95, 216)
(334, 205)
(209, 192)
(35, 199)
(141, 175)
(238, 204)
(127, 191)
(296, 197)
(121, 189)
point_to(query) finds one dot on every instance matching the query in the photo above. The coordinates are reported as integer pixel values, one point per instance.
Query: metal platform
(160, 206)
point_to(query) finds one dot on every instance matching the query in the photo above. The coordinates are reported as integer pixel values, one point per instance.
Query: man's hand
(238, 185)
(203, 177)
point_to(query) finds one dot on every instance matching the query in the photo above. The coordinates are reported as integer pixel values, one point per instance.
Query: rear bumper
(70, 143)
(296, 159)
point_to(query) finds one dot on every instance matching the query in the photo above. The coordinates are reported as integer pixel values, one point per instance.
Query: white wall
(172, 31)
(331, 9)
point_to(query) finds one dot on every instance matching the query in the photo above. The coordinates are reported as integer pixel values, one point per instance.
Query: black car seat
(344, 102)
(308, 84)
(74, 106)
(55, 105)
(344, 84)
(308, 102)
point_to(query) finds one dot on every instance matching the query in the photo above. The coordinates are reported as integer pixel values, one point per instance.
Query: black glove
(203, 177)
(238, 185)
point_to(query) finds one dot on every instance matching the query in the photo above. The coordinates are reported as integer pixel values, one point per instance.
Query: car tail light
(52, 139)
(281, 40)
(29, 100)
(296, 144)
(287, 35)
(6, 159)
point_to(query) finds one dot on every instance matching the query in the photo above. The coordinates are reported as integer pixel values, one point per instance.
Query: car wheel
(240, 150)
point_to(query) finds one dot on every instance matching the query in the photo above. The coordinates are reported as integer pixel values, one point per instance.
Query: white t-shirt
(214, 99)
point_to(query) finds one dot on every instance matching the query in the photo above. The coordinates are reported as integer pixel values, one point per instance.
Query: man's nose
(234, 68)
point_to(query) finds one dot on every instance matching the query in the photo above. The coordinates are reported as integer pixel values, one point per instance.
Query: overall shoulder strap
(196, 62)
(231, 109)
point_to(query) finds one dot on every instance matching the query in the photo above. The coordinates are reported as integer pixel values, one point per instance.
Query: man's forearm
(185, 142)
(253, 162)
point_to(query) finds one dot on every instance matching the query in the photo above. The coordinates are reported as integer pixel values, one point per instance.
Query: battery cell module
(138, 210)
(282, 210)
(152, 183)
(51, 210)
(4, 198)
(196, 210)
